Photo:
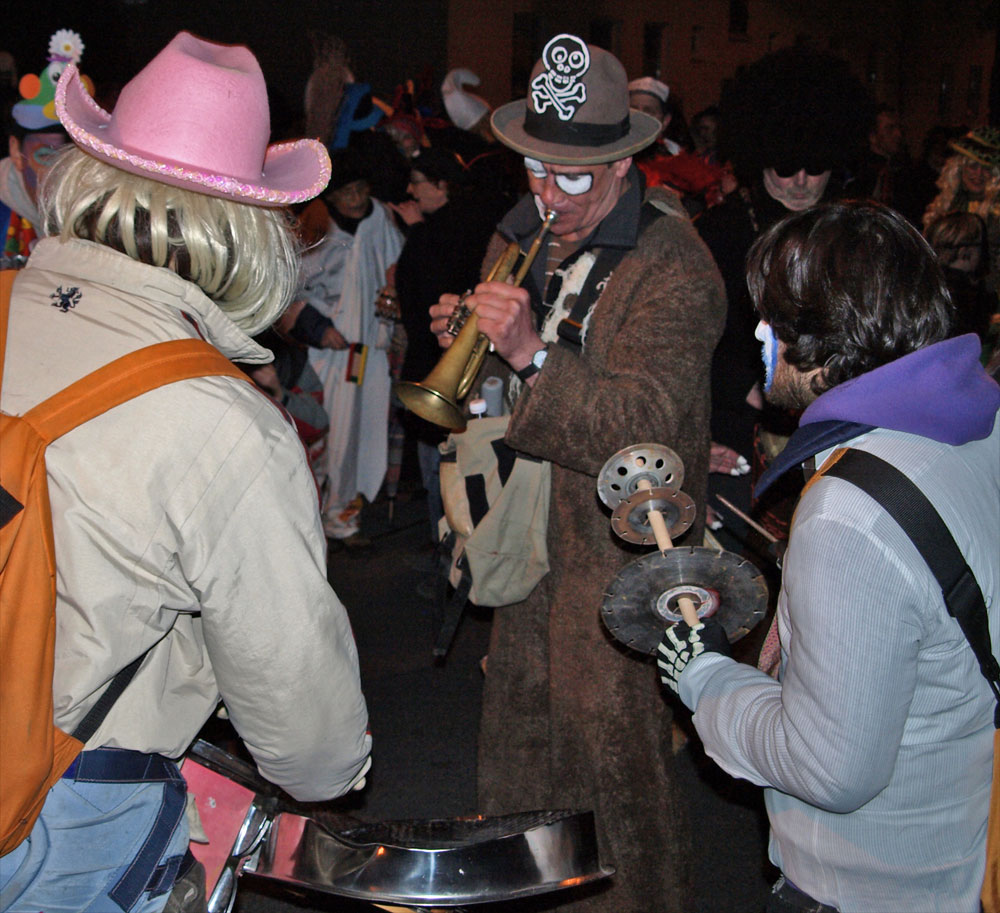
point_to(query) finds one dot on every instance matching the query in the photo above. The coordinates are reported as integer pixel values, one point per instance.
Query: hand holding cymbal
(673, 584)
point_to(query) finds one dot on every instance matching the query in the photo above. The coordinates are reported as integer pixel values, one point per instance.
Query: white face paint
(770, 352)
(535, 168)
(580, 195)
(572, 185)
(798, 192)
(540, 206)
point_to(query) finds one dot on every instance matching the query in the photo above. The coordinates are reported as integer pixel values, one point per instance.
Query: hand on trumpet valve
(458, 316)
(444, 319)
(504, 315)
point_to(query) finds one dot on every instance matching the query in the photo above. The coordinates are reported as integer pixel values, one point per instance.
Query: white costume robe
(341, 277)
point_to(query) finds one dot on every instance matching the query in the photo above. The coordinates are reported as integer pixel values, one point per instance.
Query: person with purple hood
(875, 743)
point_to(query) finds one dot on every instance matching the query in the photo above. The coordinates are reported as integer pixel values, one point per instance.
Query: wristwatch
(535, 365)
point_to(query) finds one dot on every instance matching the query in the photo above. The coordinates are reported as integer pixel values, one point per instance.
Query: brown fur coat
(570, 719)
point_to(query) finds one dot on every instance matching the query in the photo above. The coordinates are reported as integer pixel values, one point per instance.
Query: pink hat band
(196, 116)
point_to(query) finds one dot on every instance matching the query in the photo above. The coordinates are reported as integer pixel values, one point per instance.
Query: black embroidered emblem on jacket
(64, 300)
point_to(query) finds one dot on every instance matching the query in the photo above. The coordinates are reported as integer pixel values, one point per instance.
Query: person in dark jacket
(443, 252)
(791, 124)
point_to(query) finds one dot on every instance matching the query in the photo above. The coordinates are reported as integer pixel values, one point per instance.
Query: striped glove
(681, 644)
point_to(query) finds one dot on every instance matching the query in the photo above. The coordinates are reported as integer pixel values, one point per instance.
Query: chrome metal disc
(442, 862)
(641, 602)
(630, 520)
(620, 476)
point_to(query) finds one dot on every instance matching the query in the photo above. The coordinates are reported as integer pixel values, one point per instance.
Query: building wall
(905, 50)
(948, 65)
(924, 56)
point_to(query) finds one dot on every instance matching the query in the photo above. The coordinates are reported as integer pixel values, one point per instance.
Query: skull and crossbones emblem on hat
(559, 86)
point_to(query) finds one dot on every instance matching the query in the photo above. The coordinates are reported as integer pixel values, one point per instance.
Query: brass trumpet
(437, 397)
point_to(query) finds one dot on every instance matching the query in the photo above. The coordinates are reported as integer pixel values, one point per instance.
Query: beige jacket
(186, 528)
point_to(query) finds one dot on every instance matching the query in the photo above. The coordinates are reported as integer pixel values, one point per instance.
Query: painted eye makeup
(535, 168)
(574, 184)
(571, 184)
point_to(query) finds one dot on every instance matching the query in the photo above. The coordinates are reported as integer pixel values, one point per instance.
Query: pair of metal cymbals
(642, 600)
(642, 478)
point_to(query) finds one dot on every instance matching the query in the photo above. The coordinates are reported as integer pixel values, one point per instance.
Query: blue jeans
(110, 838)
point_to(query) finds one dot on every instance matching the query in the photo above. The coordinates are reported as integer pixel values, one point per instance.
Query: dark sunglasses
(789, 170)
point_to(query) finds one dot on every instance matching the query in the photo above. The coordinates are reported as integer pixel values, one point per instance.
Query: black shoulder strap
(95, 716)
(570, 329)
(915, 514)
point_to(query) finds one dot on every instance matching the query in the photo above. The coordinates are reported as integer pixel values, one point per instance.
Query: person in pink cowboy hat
(186, 527)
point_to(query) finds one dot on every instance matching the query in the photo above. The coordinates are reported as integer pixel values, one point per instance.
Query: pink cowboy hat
(196, 116)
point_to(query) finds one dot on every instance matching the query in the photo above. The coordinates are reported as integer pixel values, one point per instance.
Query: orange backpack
(33, 752)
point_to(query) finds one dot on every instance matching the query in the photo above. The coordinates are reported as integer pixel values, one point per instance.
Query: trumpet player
(608, 341)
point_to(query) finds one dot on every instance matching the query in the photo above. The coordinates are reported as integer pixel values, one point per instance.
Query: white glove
(681, 644)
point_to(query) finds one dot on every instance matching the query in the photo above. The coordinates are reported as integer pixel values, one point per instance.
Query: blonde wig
(243, 257)
(950, 192)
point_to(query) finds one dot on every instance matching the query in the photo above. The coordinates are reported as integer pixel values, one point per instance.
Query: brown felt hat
(576, 112)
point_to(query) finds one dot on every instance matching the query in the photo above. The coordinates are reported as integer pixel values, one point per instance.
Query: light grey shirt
(877, 744)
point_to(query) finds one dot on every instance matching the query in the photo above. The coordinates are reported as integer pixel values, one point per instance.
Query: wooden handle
(655, 518)
(688, 611)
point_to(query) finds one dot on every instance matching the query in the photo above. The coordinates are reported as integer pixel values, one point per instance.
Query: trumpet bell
(430, 404)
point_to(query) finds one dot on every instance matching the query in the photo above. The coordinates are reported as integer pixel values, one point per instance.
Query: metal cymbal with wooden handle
(632, 521)
(621, 475)
(644, 598)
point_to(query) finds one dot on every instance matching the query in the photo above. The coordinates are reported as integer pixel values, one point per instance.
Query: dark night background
(388, 42)
(930, 59)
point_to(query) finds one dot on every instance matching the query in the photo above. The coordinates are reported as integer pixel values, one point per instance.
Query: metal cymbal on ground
(436, 862)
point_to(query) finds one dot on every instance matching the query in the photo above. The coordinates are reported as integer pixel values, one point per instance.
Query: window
(739, 18)
(974, 97)
(653, 41)
(696, 31)
(944, 93)
(607, 34)
(526, 48)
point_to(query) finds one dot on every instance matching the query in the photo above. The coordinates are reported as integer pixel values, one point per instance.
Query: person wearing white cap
(667, 164)
(488, 164)
(607, 343)
(650, 96)
(186, 526)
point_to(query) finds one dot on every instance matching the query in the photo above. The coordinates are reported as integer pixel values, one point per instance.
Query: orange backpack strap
(125, 378)
(120, 380)
(34, 752)
(818, 474)
(7, 277)
(831, 460)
